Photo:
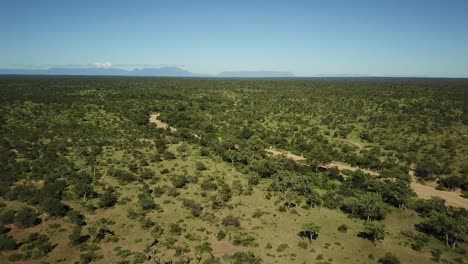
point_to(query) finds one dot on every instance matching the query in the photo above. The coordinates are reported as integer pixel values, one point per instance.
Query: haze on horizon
(308, 38)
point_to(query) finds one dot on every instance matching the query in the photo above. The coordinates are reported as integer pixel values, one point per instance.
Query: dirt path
(345, 166)
(287, 154)
(421, 190)
(153, 118)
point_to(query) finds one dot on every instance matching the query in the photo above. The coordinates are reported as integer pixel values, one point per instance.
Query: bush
(231, 221)
(389, 258)
(16, 257)
(221, 235)
(194, 207)
(76, 217)
(282, 247)
(7, 216)
(75, 236)
(245, 257)
(343, 228)
(303, 244)
(89, 256)
(179, 181)
(451, 182)
(200, 166)
(146, 202)
(208, 184)
(159, 191)
(175, 229)
(7, 243)
(26, 217)
(107, 199)
(169, 155)
(54, 207)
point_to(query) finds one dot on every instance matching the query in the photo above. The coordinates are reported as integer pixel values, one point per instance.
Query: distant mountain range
(162, 72)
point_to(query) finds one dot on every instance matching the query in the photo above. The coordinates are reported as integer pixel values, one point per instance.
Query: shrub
(169, 155)
(179, 181)
(107, 198)
(146, 223)
(258, 213)
(7, 216)
(389, 258)
(245, 240)
(76, 217)
(194, 207)
(89, 256)
(175, 229)
(54, 207)
(200, 166)
(16, 257)
(303, 244)
(26, 217)
(7, 243)
(221, 235)
(159, 191)
(245, 257)
(343, 228)
(231, 221)
(75, 236)
(146, 202)
(208, 184)
(282, 247)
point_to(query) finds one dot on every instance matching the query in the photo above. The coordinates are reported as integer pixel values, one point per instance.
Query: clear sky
(308, 38)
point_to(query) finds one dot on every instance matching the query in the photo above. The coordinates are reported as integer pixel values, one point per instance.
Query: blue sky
(308, 38)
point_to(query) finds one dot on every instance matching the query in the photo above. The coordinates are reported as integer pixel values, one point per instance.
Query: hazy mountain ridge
(255, 74)
(163, 71)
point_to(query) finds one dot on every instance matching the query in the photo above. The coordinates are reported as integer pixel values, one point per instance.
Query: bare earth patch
(160, 124)
(222, 248)
(344, 166)
(286, 154)
(427, 191)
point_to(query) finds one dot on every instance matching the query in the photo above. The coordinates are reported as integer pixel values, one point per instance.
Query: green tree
(450, 228)
(396, 193)
(54, 207)
(368, 206)
(375, 231)
(310, 230)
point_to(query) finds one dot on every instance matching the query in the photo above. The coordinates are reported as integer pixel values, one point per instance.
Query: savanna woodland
(193, 170)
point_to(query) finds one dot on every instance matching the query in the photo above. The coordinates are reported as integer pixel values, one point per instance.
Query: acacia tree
(396, 193)
(452, 228)
(290, 197)
(310, 230)
(369, 206)
(375, 231)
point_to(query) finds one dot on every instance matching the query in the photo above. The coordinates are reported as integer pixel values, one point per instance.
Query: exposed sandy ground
(421, 190)
(344, 166)
(287, 154)
(159, 124)
(223, 247)
(427, 191)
